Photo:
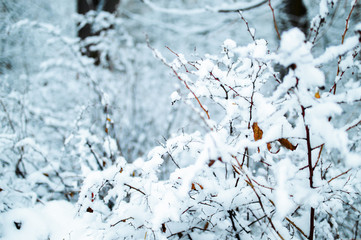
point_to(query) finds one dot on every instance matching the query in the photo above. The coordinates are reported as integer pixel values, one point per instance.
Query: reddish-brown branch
(232, 89)
(342, 41)
(290, 221)
(309, 148)
(249, 182)
(122, 220)
(251, 101)
(245, 154)
(319, 156)
(274, 19)
(261, 185)
(175, 72)
(178, 57)
(338, 176)
(172, 51)
(310, 168)
(195, 96)
(247, 25)
(347, 21)
(317, 31)
(294, 225)
(239, 165)
(136, 189)
(349, 128)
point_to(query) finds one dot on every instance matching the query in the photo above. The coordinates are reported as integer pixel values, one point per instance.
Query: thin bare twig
(338, 176)
(298, 228)
(231, 88)
(157, 55)
(342, 41)
(122, 220)
(247, 25)
(7, 116)
(354, 125)
(135, 188)
(95, 156)
(249, 182)
(310, 168)
(274, 19)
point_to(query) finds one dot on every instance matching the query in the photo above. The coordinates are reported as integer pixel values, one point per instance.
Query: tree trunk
(296, 15)
(292, 13)
(83, 7)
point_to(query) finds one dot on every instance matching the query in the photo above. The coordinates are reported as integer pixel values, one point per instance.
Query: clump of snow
(175, 96)
(293, 48)
(205, 68)
(285, 170)
(229, 44)
(54, 220)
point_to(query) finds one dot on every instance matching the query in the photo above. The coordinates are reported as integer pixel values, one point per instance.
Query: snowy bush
(272, 163)
(271, 157)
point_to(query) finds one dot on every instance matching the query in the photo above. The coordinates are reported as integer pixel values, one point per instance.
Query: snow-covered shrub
(270, 162)
(275, 157)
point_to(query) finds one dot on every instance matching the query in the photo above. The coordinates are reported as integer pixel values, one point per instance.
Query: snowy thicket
(259, 154)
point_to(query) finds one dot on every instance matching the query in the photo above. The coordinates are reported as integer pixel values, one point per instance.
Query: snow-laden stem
(342, 41)
(310, 168)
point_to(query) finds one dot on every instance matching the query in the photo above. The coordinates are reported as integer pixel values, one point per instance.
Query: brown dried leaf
(269, 147)
(317, 94)
(200, 186)
(194, 186)
(211, 162)
(206, 226)
(257, 132)
(285, 143)
(164, 229)
(89, 210)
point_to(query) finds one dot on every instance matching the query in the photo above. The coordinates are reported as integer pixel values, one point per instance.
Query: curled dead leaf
(257, 132)
(211, 162)
(194, 186)
(317, 94)
(206, 226)
(287, 144)
(89, 210)
(269, 147)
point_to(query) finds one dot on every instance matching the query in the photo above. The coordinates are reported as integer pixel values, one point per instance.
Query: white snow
(55, 220)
